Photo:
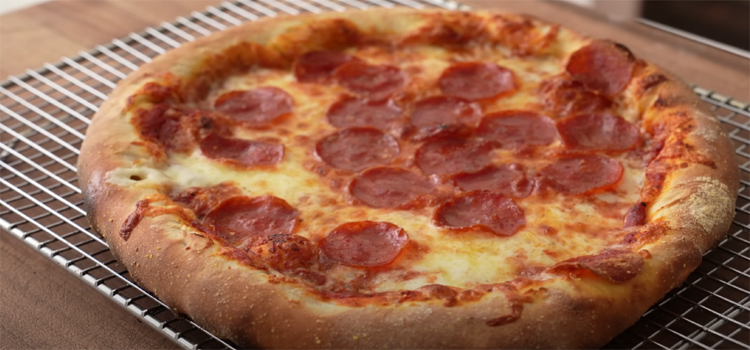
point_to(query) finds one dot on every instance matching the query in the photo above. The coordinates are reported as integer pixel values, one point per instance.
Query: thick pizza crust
(697, 199)
(187, 271)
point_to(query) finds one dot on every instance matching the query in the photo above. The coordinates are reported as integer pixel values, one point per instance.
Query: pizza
(407, 179)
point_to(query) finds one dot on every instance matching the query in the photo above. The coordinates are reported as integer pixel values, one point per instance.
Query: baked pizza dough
(407, 179)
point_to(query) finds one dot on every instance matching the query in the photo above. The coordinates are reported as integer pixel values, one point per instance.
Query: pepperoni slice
(636, 216)
(389, 187)
(452, 155)
(349, 111)
(355, 149)
(508, 179)
(582, 174)
(202, 200)
(157, 123)
(445, 110)
(167, 126)
(602, 66)
(365, 243)
(375, 82)
(481, 210)
(239, 218)
(566, 97)
(175, 134)
(515, 129)
(317, 66)
(476, 80)
(141, 207)
(255, 108)
(598, 132)
(245, 152)
(617, 266)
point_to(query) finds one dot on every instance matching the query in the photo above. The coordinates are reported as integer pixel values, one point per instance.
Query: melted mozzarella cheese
(558, 227)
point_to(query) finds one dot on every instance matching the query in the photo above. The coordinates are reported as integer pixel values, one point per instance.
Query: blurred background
(722, 22)
(12, 5)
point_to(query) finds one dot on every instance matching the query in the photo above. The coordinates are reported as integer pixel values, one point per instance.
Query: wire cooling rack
(44, 114)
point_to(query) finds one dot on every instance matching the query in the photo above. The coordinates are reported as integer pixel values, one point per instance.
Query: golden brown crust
(193, 275)
(698, 198)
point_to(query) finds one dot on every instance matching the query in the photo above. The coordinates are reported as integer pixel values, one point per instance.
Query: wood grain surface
(44, 307)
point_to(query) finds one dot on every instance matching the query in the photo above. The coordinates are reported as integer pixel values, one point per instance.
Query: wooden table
(43, 306)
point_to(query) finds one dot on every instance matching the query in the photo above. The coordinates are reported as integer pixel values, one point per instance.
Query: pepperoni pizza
(404, 179)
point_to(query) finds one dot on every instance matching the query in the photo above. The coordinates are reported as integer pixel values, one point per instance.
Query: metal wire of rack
(44, 114)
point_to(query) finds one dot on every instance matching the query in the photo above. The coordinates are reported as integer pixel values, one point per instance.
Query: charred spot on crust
(325, 34)
(515, 314)
(309, 276)
(669, 101)
(205, 123)
(654, 183)
(519, 33)
(661, 103)
(449, 29)
(645, 234)
(439, 291)
(155, 92)
(283, 251)
(243, 258)
(652, 81)
(625, 49)
(680, 149)
(686, 125)
(345, 31)
(469, 295)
